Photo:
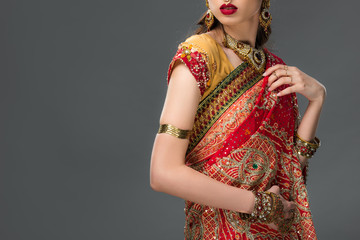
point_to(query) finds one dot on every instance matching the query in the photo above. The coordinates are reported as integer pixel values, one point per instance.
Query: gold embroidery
(219, 100)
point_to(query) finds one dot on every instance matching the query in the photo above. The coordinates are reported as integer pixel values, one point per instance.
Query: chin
(230, 22)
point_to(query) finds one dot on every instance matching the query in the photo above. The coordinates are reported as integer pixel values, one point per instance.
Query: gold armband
(174, 131)
(305, 148)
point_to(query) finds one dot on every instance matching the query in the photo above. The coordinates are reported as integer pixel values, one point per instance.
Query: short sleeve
(196, 61)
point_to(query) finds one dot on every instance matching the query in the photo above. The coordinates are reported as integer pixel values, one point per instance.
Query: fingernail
(264, 74)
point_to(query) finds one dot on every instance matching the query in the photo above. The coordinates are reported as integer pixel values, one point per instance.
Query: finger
(279, 82)
(292, 206)
(276, 75)
(273, 68)
(274, 189)
(273, 226)
(289, 209)
(277, 67)
(286, 91)
(290, 214)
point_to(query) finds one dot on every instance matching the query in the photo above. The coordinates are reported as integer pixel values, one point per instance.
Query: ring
(290, 79)
(286, 69)
(275, 74)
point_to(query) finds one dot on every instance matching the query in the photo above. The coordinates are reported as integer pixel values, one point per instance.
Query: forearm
(309, 123)
(189, 184)
(169, 174)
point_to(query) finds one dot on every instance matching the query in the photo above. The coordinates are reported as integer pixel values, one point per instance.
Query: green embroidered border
(235, 73)
(223, 84)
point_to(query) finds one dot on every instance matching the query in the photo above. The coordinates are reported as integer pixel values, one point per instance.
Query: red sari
(243, 136)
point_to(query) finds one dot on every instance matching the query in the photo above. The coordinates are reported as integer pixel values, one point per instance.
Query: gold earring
(209, 19)
(265, 16)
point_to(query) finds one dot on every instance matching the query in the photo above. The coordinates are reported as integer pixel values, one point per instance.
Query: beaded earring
(265, 16)
(209, 19)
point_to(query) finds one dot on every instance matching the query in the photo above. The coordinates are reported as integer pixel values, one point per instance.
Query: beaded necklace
(256, 57)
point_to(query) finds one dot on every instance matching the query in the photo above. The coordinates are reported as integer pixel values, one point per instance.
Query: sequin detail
(196, 61)
(250, 145)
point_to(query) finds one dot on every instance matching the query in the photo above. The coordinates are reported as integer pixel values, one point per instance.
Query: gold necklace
(256, 57)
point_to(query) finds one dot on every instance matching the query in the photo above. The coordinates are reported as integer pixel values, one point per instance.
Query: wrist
(268, 208)
(303, 162)
(320, 99)
(252, 203)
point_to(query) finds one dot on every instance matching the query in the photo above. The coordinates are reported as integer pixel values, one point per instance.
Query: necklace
(256, 57)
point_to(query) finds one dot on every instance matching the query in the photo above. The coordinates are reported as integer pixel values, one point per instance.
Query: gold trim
(256, 57)
(315, 143)
(174, 131)
(305, 148)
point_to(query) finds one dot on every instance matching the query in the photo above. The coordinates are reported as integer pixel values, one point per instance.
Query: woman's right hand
(289, 207)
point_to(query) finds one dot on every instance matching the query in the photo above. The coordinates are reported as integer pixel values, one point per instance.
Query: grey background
(82, 88)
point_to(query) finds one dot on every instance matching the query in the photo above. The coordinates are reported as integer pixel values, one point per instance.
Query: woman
(230, 141)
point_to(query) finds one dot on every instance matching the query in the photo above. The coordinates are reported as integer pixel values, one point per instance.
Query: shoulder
(197, 53)
(202, 43)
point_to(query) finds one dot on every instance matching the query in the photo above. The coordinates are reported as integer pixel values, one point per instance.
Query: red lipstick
(228, 9)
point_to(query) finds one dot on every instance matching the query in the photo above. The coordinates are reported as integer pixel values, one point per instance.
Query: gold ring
(290, 79)
(286, 69)
(275, 74)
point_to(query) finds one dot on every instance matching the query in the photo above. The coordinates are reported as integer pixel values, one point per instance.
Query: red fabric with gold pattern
(247, 141)
(195, 61)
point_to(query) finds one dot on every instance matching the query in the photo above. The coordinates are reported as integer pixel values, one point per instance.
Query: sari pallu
(244, 137)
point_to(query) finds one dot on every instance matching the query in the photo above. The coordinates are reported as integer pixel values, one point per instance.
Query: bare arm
(168, 172)
(309, 123)
(309, 87)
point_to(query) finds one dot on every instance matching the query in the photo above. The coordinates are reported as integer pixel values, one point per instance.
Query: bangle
(174, 131)
(305, 148)
(268, 208)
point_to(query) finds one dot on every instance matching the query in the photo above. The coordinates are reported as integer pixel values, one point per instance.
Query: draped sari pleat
(243, 136)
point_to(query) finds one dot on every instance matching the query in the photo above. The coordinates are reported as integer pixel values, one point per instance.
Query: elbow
(157, 179)
(155, 182)
(163, 179)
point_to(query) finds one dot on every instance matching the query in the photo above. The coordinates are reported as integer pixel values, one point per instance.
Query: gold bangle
(305, 148)
(315, 143)
(174, 131)
(268, 208)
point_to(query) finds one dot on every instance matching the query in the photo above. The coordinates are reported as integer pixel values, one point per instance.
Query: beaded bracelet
(305, 148)
(269, 209)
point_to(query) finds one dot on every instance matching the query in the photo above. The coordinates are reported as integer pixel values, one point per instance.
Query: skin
(168, 172)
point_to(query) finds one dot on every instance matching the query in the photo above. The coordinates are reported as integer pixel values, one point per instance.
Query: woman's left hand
(299, 82)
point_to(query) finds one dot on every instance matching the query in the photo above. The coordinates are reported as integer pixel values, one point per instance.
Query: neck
(245, 32)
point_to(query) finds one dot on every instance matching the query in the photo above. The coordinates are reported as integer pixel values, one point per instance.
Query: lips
(228, 9)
